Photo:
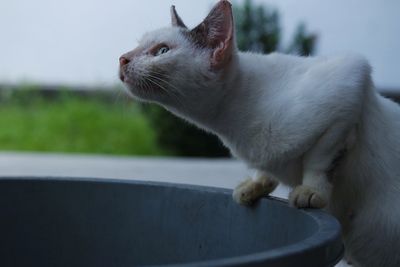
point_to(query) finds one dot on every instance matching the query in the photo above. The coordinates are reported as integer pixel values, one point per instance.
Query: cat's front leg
(251, 189)
(315, 190)
(314, 193)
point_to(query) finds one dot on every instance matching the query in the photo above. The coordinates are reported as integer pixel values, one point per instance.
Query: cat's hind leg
(251, 189)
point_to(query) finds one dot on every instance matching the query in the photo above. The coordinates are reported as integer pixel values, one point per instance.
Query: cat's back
(342, 70)
(277, 62)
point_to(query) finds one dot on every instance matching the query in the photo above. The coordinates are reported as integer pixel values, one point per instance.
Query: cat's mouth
(121, 75)
(143, 84)
(139, 87)
(125, 76)
(149, 83)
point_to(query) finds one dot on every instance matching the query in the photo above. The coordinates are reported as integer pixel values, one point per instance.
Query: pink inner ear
(216, 33)
(222, 54)
(220, 22)
(218, 55)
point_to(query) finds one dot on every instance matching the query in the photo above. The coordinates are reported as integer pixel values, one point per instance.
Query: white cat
(315, 124)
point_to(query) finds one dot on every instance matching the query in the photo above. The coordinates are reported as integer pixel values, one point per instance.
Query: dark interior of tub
(92, 223)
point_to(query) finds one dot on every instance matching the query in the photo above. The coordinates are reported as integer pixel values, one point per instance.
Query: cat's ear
(176, 21)
(217, 32)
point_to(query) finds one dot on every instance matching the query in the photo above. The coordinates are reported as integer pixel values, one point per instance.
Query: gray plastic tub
(89, 222)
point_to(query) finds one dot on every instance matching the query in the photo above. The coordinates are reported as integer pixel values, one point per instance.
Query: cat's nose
(123, 61)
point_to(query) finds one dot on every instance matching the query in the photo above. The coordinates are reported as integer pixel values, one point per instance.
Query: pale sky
(79, 41)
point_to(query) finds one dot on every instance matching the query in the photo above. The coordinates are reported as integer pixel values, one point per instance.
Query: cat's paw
(248, 191)
(304, 196)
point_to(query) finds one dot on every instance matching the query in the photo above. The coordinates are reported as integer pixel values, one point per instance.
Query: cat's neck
(245, 84)
(242, 86)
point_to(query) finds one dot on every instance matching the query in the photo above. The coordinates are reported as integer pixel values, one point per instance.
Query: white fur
(288, 117)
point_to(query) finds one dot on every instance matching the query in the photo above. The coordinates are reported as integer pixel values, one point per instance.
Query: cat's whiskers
(119, 95)
(168, 92)
(160, 86)
(147, 85)
(156, 83)
(164, 80)
(144, 84)
(156, 75)
(141, 81)
(148, 79)
(172, 88)
(177, 94)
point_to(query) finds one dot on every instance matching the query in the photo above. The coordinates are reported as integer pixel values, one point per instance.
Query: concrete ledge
(224, 173)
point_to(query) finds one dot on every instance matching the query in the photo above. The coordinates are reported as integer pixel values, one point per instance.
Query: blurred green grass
(71, 123)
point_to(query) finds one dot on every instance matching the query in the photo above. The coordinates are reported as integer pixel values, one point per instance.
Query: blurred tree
(302, 44)
(181, 138)
(257, 29)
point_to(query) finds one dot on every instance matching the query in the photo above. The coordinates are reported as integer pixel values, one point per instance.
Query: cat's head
(176, 64)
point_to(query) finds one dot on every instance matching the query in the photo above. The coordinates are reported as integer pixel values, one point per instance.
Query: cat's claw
(306, 197)
(249, 191)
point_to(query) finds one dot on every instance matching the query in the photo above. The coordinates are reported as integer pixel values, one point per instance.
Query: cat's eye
(162, 50)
